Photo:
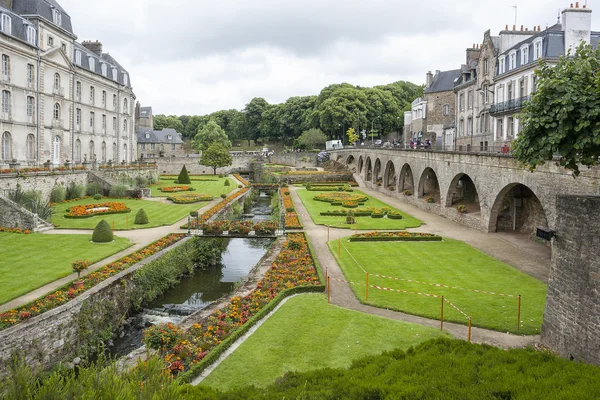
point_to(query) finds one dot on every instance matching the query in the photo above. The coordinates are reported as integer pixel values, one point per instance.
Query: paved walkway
(342, 294)
(139, 237)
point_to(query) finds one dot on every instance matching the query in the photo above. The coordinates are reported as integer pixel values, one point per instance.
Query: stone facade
(572, 316)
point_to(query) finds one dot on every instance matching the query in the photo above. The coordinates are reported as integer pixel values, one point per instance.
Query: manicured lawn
(306, 334)
(31, 261)
(212, 188)
(315, 208)
(452, 263)
(159, 214)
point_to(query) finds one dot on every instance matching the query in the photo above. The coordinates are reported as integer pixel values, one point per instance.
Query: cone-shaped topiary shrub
(184, 178)
(102, 233)
(227, 183)
(141, 218)
(350, 217)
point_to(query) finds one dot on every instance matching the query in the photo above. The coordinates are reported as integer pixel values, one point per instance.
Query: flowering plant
(188, 198)
(15, 230)
(172, 189)
(80, 265)
(89, 210)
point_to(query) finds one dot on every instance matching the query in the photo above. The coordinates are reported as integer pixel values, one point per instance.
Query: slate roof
(145, 112)
(43, 8)
(105, 58)
(158, 136)
(18, 26)
(444, 81)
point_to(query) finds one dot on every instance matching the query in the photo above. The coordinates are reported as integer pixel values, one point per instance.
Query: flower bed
(395, 237)
(66, 292)
(173, 189)
(339, 197)
(90, 210)
(189, 198)
(192, 351)
(239, 178)
(240, 227)
(215, 209)
(215, 227)
(265, 227)
(332, 183)
(15, 230)
(291, 218)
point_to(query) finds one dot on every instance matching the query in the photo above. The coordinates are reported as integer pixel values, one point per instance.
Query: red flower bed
(89, 210)
(67, 293)
(293, 267)
(172, 189)
(291, 218)
(395, 236)
(216, 208)
(15, 230)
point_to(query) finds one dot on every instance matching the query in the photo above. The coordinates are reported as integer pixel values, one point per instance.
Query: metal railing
(511, 105)
(497, 148)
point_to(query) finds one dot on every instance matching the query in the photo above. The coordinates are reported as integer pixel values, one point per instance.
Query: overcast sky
(198, 56)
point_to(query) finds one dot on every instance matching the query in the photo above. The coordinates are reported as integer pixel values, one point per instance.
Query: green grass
(158, 214)
(315, 208)
(306, 334)
(31, 261)
(452, 263)
(212, 188)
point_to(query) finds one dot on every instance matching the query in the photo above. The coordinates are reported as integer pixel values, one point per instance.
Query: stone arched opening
(369, 170)
(389, 176)
(377, 179)
(429, 187)
(406, 182)
(517, 209)
(360, 164)
(462, 190)
(339, 157)
(350, 160)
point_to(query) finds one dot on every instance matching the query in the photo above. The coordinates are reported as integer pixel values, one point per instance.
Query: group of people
(417, 144)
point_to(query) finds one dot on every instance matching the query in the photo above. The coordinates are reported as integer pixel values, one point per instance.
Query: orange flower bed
(215, 209)
(15, 230)
(89, 210)
(172, 189)
(291, 218)
(239, 178)
(66, 293)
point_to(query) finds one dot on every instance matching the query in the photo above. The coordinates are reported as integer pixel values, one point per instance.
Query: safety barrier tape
(350, 282)
(442, 285)
(456, 308)
(405, 291)
(351, 256)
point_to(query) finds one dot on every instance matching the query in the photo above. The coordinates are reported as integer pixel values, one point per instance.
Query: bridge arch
(406, 180)
(350, 160)
(377, 171)
(368, 170)
(389, 175)
(462, 190)
(517, 209)
(360, 164)
(429, 185)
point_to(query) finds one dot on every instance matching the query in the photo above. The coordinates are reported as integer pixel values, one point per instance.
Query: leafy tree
(211, 134)
(563, 115)
(346, 105)
(161, 122)
(311, 139)
(253, 117)
(352, 136)
(216, 156)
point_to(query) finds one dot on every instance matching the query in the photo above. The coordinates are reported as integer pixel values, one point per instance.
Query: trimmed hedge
(102, 233)
(395, 237)
(141, 218)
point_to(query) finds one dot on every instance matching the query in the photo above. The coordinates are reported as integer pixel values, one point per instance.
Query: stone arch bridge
(488, 192)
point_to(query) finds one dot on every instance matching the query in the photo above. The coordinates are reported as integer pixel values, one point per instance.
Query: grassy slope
(212, 188)
(307, 333)
(452, 263)
(316, 207)
(31, 261)
(159, 213)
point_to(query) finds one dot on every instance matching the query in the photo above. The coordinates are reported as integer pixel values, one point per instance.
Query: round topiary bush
(102, 233)
(141, 218)
(223, 196)
(240, 186)
(227, 183)
(97, 196)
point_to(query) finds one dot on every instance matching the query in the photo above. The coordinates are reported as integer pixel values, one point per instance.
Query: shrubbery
(97, 197)
(93, 189)
(75, 191)
(183, 177)
(58, 194)
(227, 183)
(141, 218)
(102, 233)
(118, 191)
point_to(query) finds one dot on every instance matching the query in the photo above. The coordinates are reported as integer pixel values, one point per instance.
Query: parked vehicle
(333, 144)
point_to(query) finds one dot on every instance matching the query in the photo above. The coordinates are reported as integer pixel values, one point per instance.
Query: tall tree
(216, 156)
(161, 122)
(311, 139)
(253, 117)
(211, 134)
(563, 116)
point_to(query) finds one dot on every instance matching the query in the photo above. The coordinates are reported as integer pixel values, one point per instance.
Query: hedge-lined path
(342, 295)
(139, 237)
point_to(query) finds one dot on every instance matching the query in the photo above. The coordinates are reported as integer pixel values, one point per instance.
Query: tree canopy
(563, 116)
(162, 121)
(311, 139)
(216, 156)
(211, 134)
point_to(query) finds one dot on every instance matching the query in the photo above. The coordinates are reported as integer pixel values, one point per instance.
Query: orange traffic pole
(519, 314)
(328, 233)
(367, 286)
(127, 221)
(340, 249)
(113, 225)
(328, 291)
(442, 315)
(469, 335)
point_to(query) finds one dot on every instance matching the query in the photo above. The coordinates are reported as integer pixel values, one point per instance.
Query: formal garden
(332, 205)
(209, 185)
(56, 253)
(482, 287)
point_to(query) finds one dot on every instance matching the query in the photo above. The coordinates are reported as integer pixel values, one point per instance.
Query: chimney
(428, 79)
(577, 25)
(94, 47)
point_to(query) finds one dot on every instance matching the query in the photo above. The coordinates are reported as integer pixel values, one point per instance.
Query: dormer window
(31, 35)
(92, 64)
(513, 60)
(104, 69)
(6, 24)
(524, 55)
(170, 137)
(56, 17)
(125, 79)
(537, 49)
(147, 136)
(78, 57)
(501, 65)
(114, 74)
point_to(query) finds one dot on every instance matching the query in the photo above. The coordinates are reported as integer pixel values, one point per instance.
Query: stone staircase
(103, 179)
(15, 215)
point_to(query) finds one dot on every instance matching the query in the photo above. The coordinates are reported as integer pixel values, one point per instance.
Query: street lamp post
(372, 122)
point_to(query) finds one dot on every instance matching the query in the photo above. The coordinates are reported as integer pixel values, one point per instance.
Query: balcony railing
(511, 105)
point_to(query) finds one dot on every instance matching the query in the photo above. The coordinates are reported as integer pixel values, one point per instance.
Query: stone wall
(572, 316)
(14, 216)
(58, 334)
(43, 181)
